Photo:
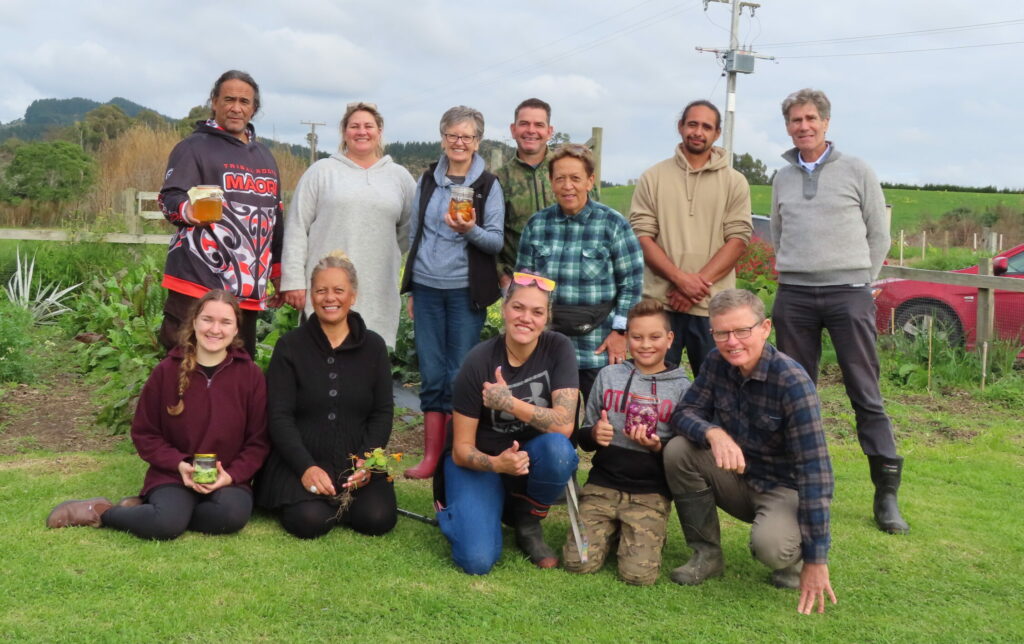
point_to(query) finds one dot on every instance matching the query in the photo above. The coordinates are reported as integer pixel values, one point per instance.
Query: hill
(910, 208)
(46, 113)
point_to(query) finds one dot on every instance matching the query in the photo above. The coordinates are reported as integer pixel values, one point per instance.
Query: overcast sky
(941, 116)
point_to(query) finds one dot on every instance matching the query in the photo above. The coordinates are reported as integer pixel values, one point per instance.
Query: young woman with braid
(206, 397)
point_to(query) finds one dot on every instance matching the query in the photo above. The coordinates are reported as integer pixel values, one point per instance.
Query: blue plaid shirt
(775, 418)
(594, 257)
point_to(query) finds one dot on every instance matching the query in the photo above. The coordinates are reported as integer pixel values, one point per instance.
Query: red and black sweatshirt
(242, 251)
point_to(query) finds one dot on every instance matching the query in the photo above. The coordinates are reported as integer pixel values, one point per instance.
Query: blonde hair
(187, 341)
(336, 259)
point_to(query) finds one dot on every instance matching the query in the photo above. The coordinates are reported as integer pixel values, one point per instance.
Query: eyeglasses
(740, 334)
(459, 138)
(527, 279)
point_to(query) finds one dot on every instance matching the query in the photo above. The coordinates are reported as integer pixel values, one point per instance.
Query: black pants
(374, 511)
(169, 510)
(176, 310)
(848, 313)
(693, 333)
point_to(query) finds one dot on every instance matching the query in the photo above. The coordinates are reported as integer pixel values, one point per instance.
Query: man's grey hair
(736, 298)
(462, 114)
(815, 97)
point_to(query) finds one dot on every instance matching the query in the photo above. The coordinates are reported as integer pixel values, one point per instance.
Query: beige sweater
(690, 214)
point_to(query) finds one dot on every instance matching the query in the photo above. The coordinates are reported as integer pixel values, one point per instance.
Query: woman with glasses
(513, 413)
(451, 273)
(357, 200)
(591, 251)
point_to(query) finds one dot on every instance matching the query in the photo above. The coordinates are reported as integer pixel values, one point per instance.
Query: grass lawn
(956, 577)
(909, 207)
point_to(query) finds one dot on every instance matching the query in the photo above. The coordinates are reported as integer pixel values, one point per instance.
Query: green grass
(909, 207)
(954, 578)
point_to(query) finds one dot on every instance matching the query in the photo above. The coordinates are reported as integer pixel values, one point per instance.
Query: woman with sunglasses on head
(207, 397)
(591, 251)
(358, 200)
(510, 454)
(451, 272)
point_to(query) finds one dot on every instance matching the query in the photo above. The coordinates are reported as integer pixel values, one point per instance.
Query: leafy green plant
(124, 311)
(15, 339)
(43, 302)
(282, 320)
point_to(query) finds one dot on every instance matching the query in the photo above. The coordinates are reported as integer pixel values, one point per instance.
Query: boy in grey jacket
(627, 424)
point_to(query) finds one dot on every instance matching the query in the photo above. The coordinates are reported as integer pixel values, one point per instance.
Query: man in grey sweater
(830, 229)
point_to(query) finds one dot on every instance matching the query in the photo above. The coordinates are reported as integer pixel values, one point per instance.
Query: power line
(920, 32)
(640, 24)
(903, 51)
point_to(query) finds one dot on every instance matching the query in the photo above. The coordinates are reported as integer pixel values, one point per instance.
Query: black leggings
(374, 511)
(169, 510)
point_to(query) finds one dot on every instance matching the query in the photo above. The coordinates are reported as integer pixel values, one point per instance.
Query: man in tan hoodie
(691, 214)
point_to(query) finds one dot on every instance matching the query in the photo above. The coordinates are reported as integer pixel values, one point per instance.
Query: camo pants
(638, 521)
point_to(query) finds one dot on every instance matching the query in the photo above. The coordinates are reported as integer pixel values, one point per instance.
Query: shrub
(126, 310)
(758, 260)
(15, 326)
(43, 302)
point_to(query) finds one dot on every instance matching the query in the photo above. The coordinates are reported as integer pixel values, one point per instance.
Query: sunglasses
(527, 279)
(360, 104)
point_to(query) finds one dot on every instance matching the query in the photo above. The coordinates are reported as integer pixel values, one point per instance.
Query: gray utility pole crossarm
(312, 139)
(736, 61)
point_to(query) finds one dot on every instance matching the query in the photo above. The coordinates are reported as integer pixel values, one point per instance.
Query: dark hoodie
(242, 251)
(625, 465)
(225, 414)
(328, 405)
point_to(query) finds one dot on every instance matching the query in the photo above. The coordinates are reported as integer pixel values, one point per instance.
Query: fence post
(901, 247)
(595, 145)
(924, 242)
(986, 306)
(132, 221)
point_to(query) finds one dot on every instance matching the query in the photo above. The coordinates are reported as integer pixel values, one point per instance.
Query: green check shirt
(593, 257)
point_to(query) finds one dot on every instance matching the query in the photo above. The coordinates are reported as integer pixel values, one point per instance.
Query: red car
(954, 309)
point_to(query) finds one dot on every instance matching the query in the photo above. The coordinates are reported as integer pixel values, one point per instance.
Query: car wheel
(912, 319)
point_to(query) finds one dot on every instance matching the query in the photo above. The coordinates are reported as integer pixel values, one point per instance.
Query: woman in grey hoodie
(358, 201)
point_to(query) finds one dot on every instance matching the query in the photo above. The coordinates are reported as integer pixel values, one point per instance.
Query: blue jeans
(472, 520)
(693, 333)
(446, 327)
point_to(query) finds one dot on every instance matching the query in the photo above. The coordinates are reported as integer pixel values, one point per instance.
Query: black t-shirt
(551, 366)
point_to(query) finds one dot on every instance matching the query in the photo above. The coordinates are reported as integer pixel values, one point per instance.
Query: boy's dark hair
(646, 308)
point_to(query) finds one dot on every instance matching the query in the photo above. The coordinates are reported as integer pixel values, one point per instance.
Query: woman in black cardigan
(329, 388)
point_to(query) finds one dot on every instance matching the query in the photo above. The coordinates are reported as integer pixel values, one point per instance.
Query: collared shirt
(593, 256)
(809, 166)
(775, 417)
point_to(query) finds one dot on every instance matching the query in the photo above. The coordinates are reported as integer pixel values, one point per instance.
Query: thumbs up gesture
(603, 430)
(496, 394)
(512, 461)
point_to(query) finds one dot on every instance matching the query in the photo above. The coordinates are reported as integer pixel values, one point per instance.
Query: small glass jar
(205, 468)
(642, 413)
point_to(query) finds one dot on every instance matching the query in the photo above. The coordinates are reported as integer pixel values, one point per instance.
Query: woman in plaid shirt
(591, 251)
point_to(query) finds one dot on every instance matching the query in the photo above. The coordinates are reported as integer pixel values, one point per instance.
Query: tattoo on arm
(480, 461)
(559, 414)
(499, 398)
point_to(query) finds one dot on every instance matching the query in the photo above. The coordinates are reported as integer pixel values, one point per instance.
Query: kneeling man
(750, 441)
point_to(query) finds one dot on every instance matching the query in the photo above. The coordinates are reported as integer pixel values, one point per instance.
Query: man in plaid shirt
(751, 442)
(592, 254)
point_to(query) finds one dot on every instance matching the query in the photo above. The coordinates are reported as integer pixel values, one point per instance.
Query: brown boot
(71, 514)
(130, 502)
(788, 577)
(434, 423)
(529, 533)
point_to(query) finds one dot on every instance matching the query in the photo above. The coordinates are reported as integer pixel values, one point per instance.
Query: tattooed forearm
(560, 414)
(479, 461)
(499, 398)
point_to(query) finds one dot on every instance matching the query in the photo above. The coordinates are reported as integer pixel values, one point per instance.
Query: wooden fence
(135, 214)
(985, 282)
